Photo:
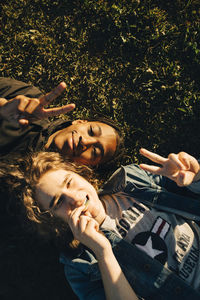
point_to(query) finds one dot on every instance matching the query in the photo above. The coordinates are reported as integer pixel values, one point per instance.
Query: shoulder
(129, 174)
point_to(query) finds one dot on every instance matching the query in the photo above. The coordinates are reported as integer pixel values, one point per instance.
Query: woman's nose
(88, 141)
(75, 198)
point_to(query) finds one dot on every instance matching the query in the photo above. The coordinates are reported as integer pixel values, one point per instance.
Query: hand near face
(86, 230)
(181, 168)
(22, 109)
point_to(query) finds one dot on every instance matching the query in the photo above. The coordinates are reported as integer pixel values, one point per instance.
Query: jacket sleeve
(133, 178)
(154, 191)
(84, 276)
(135, 174)
(15, 138)
(195, 187)
(10, 88)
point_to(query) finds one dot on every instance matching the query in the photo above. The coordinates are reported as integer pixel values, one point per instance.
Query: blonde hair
(26, 175)
(35, 167)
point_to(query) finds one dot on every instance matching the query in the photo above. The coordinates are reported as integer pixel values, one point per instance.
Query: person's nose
(87, 141)
(75, 198)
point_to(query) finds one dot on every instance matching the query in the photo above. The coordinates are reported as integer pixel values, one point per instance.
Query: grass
(136, 61)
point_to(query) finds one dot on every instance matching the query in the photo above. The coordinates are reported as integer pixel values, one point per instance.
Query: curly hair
(22, 178)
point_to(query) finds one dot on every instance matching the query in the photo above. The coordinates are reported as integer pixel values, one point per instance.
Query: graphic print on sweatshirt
(142, 227)
(166, 237)
(153, 242)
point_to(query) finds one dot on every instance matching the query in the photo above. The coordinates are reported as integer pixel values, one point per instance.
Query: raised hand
(181, 168)
(86, 230)
(23, 109)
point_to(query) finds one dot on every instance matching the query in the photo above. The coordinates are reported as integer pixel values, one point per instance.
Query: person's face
(89, 143)
(62, 191)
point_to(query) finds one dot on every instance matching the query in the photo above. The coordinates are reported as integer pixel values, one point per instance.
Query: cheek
(42, 200)
(83, 159)
(63, 212)
(85, 154)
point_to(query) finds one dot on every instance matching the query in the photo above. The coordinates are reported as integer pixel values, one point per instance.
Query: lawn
(137, 62)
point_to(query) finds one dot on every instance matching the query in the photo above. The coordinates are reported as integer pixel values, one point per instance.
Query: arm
(115, 283)
(86, 230)
(182, 168)
(23, 109)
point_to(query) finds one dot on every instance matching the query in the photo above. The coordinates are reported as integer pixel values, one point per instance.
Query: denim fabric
(84, 276)
(148, 277)
(154, 191)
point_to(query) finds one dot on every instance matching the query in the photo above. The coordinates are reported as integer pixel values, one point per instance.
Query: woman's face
(62, 191)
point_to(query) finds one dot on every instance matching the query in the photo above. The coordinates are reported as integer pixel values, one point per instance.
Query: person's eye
(91, 131)
(94, 152)
(68, 183)
(59, 202)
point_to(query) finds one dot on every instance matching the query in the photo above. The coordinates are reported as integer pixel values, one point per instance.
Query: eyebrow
(55, 199)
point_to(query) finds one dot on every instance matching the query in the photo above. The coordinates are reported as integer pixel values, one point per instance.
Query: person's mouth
(86, 203)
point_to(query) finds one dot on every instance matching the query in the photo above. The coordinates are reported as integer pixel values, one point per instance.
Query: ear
(79, 122)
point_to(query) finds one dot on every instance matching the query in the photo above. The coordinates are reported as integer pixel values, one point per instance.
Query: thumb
(185, 178)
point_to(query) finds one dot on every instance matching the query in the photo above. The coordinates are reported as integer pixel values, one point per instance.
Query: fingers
(3, 101)
(32, 105)
(48, 98)
(74, 215)
(23, 102)
(174, 158)
(51, 112)
(189, 161)
(184, 158)
(87, 224)
(83, 220)
(152, 156)
(82, 226)
(92, 224)
(26, 104)
(185, 178)
(23, 121)
(26, 107)
(152, 169)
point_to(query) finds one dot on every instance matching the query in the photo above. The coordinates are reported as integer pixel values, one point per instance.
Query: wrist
(104, 254)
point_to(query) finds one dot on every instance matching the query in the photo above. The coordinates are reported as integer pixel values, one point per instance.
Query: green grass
(136, 61)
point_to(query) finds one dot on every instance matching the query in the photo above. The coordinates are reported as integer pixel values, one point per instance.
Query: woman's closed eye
(91, 131)
(59, 202)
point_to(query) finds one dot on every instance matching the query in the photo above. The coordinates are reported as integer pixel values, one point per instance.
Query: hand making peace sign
(181, 168)
(23, 109)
